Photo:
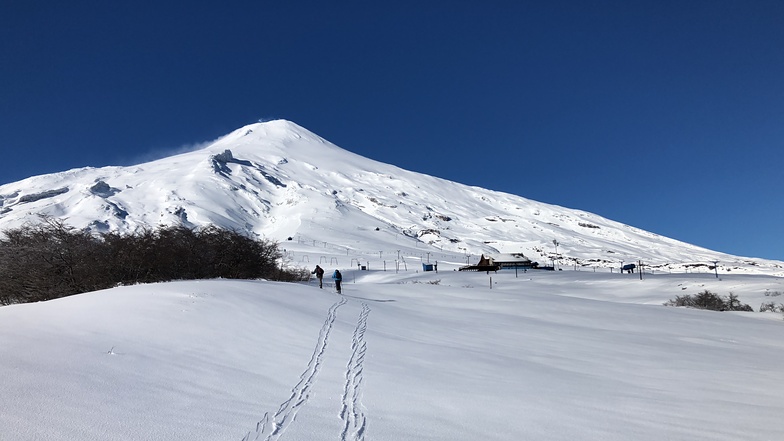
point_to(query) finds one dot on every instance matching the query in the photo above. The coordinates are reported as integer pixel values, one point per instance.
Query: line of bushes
(50, 259)
(711, 301)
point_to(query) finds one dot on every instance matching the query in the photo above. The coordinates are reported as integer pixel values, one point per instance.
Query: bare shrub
(685, 300)
(710, 301)
(429, 282)
(733, 304)
(50, 259)
(772, 307)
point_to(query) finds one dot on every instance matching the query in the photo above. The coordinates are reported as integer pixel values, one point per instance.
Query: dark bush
(733, 304)
(50, 259)
(710, 301)
(772, 307)
(686, 301)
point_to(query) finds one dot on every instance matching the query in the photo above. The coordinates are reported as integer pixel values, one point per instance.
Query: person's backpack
(319, 272)
(337, 275)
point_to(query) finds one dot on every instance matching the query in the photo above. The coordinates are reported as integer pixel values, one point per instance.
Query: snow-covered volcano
(280, 181)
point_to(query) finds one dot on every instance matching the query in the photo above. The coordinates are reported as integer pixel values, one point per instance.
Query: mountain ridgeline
(278, 181)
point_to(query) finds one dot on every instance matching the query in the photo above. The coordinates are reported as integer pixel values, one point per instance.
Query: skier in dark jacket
(319, 272)
(337, 277)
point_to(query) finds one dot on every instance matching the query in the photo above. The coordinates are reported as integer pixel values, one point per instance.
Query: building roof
(509, 258)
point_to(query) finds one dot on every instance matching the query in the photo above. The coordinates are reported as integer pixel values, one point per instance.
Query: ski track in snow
(354, 421)
(270, 428)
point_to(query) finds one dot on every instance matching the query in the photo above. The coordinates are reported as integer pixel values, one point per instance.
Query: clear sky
(665, 115)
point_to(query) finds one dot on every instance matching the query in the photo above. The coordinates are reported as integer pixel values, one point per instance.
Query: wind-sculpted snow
(278, 180)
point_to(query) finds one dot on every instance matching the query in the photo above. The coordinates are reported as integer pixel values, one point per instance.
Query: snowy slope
(401, 356)
(280, 181)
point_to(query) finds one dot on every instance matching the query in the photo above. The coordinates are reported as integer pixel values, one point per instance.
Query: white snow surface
(400, 355)
(581, 353)
(278, 180)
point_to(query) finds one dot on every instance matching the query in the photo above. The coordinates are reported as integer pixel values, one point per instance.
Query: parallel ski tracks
(351, 412)
(272, 426)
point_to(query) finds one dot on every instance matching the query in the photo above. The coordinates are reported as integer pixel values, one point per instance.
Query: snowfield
(406, 355)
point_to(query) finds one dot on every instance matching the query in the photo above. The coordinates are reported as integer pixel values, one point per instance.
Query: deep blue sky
(665, 115)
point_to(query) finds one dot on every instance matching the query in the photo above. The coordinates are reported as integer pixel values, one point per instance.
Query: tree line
(50, 259)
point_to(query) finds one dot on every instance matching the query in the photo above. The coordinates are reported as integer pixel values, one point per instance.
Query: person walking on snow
(319, 272)
(337, 278)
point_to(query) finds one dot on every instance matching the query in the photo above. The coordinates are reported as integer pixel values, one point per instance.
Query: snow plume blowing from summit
(156, 154)
(280, 181)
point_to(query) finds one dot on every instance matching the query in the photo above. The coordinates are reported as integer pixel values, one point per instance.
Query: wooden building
(501, 261)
